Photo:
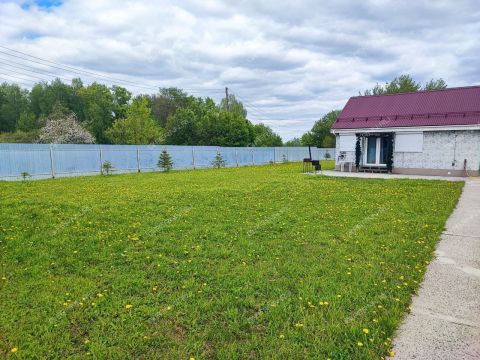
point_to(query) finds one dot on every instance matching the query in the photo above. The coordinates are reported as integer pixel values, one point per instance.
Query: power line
(22, 73)
(35, 70)
(87, 73)
(65, 67)
(16, 77)
(14, 81)
(257, 111)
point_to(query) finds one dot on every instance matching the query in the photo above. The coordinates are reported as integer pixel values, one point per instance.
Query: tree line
(74, 113)
(320, 134)
(57, 112)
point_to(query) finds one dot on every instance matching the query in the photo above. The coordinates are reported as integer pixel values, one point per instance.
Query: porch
(366, 175)
(368, 152)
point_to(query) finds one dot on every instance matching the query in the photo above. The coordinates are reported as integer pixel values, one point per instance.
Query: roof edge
(420, 91)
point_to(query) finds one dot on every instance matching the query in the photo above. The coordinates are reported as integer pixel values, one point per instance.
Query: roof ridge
(419, 91)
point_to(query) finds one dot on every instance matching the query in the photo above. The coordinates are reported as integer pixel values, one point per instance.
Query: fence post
(236, 156)
(138, 158)
(274, 157)
(52, 167)
(101, 160)
(193, 157)
(287, 155)
(253, 157)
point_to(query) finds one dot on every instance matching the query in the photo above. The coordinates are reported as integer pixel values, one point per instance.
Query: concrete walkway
(445, 321)
(388, 176)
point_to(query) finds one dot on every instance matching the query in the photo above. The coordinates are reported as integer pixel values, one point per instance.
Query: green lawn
(254, 262)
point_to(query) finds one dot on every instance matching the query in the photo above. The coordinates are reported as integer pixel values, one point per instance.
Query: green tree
(404, 83)
(121, 98)
(224, 128)
(97, 109)
(44, 96)
(181, 128)
(264, 136)
(320, 133)
(435, 84)
(27, 121)
(58, 111)
(294, 142)
(165, 161)
(233, 105)
(137, 128)
(167, 102)
(307, 139)
(13, 102)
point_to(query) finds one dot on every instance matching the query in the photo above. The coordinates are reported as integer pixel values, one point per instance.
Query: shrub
(25, 175)
(218, 162)
(165, 161)
(107, 167)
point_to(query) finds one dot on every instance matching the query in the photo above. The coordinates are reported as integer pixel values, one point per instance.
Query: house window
(376, 153)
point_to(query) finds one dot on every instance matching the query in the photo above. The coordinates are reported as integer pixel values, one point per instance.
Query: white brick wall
(349, 155)
(443, 150)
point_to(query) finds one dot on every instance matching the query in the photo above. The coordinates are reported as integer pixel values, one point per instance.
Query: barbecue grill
(309, 164)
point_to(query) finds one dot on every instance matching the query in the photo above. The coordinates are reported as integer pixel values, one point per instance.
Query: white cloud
(290, 62)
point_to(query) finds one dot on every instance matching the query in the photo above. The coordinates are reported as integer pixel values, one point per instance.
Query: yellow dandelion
(282, 336)
(128, 306)
(365, 331)
(14, 350)
(391, 353)
(360, 344)
(299, 325)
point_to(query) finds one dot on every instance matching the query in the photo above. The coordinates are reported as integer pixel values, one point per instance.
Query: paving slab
(445, 320)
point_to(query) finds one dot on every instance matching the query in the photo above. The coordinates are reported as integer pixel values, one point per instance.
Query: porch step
(373, 169)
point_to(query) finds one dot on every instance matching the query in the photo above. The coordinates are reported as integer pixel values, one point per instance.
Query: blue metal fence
(59, 160)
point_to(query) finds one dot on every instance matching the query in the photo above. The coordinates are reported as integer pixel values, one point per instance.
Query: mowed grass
(241, 263)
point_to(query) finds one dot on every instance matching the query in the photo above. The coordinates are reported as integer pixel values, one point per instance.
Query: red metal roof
(453, 106)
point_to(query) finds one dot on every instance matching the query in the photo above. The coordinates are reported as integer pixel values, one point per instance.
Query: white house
(427, 133)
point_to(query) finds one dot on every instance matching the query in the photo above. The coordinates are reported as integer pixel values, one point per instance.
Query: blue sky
(43, 4)
(290, 62)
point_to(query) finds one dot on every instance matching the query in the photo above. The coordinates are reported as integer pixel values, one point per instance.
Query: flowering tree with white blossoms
(64, 130)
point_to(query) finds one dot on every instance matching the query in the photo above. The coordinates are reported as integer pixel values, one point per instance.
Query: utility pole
(226, 99)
